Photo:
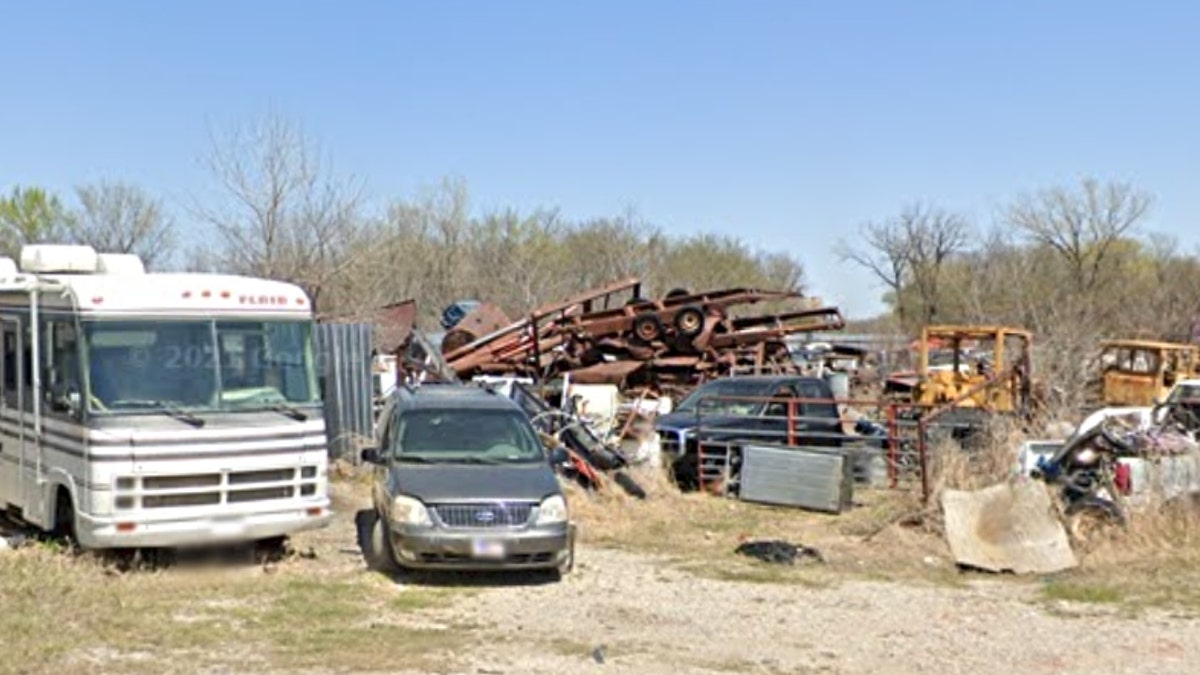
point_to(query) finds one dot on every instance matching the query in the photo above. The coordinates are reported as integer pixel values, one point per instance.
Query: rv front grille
(174, 482)
(260, 495)
(182, 499)
(211, 489)
(268, 476)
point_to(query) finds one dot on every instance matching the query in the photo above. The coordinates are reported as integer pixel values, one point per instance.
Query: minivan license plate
(483, 548)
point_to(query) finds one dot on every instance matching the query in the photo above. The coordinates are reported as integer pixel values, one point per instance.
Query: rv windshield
(198, 365)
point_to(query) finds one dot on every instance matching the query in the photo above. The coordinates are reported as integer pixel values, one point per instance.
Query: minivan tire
(377, 549)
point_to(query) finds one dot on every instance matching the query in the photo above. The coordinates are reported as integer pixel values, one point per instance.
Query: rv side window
(11, 367)
(60, 370)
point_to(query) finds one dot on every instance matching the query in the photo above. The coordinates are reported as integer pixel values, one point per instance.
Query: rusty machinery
(613, 335)
(1142, 372)
(966, 373)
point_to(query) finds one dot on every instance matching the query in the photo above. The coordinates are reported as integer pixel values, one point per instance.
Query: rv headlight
(552, 510)
(409, 511)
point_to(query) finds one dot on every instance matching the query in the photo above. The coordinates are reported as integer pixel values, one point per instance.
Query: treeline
(433, 251)
(278, 209)
(1074, 264)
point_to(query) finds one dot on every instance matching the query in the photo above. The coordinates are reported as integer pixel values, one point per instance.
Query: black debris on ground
(779, 551)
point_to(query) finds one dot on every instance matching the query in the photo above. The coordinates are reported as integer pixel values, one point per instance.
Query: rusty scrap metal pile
(613, 335)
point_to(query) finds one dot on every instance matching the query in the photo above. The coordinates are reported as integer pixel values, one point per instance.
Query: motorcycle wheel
(1090, 520)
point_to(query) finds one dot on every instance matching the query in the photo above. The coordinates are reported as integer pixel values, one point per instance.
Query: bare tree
(285, 217)
(1082, 226)
(121, 218)
(933, 236)
(909, 252)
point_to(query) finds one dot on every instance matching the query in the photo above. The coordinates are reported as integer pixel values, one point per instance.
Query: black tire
(647, 327)
(1088, 518)
(377, 549)
(678, 292)
(689, 321)
(64, 519)
(271, 549)
(633, 302)
(629, 485)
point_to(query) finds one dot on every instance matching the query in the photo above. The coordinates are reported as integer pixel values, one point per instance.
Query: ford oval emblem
(485, 516)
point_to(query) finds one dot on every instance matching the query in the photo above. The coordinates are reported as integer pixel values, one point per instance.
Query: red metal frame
(892, 420)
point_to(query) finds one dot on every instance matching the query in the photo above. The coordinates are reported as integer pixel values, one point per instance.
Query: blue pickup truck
(739, 410)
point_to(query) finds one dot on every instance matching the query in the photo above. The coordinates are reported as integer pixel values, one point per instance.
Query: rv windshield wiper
(166, 407)
(178, 413)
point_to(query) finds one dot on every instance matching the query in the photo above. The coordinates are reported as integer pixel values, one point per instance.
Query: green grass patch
(63, 614)
(1082, 592)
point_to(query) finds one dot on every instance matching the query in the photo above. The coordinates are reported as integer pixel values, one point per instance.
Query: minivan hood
(433, 483)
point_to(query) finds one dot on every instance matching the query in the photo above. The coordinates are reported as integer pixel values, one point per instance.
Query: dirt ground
(625, 611)
(675, 600)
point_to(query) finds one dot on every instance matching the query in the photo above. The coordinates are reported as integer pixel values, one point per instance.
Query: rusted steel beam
(573, 304)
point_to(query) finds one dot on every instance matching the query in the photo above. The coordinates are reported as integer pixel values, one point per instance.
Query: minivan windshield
(467, 436)
(198, 365)
(722, 397)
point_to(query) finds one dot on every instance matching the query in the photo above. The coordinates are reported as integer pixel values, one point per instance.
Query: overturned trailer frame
(612, 334)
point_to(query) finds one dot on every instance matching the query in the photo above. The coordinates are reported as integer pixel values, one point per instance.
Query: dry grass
(76, 614)
(1154, 561)
(699, 532)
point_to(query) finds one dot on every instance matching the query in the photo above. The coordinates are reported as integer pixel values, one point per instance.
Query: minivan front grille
(484, 515)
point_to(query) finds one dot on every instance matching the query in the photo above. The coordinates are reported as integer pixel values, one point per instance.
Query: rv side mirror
(62, 398)
(371, 456)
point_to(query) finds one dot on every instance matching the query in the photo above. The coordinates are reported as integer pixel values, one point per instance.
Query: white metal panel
(819, 479)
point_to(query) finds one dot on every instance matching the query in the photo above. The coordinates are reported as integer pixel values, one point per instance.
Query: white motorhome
(156, 409)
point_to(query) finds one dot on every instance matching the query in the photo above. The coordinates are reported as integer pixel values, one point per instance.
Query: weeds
(68, 613)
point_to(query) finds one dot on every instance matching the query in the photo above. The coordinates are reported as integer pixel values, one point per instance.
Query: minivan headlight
(553, 509)
(409, 511)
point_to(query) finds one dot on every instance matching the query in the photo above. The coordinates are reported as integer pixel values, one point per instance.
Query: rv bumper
(135, 531)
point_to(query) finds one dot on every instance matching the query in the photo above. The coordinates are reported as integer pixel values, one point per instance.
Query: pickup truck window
(720, 397)
(780, 408)
(812, 390)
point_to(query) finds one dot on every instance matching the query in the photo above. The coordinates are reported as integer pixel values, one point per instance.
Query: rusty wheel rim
(690, 322)
(647, 331)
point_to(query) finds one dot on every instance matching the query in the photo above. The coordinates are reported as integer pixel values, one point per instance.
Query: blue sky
(786, 123)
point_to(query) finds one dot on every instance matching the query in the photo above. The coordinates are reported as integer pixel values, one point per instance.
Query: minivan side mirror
(558, 455)
(371, 456)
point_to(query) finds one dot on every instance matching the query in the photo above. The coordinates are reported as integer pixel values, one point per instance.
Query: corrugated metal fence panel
(812, 478)
(344, 357)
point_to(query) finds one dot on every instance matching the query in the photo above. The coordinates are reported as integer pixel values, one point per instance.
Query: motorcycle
(1092, 481)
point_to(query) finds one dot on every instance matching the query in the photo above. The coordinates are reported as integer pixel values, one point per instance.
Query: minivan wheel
(379, 554)
(567, 565)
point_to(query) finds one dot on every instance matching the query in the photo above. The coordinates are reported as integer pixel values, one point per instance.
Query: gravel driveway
(636, 614)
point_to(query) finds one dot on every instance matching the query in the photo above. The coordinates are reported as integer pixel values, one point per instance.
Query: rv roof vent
(120, 263)
(58, 258)
(8, 268)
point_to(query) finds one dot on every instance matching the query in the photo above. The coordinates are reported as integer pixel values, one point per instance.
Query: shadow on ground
(366, 520)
